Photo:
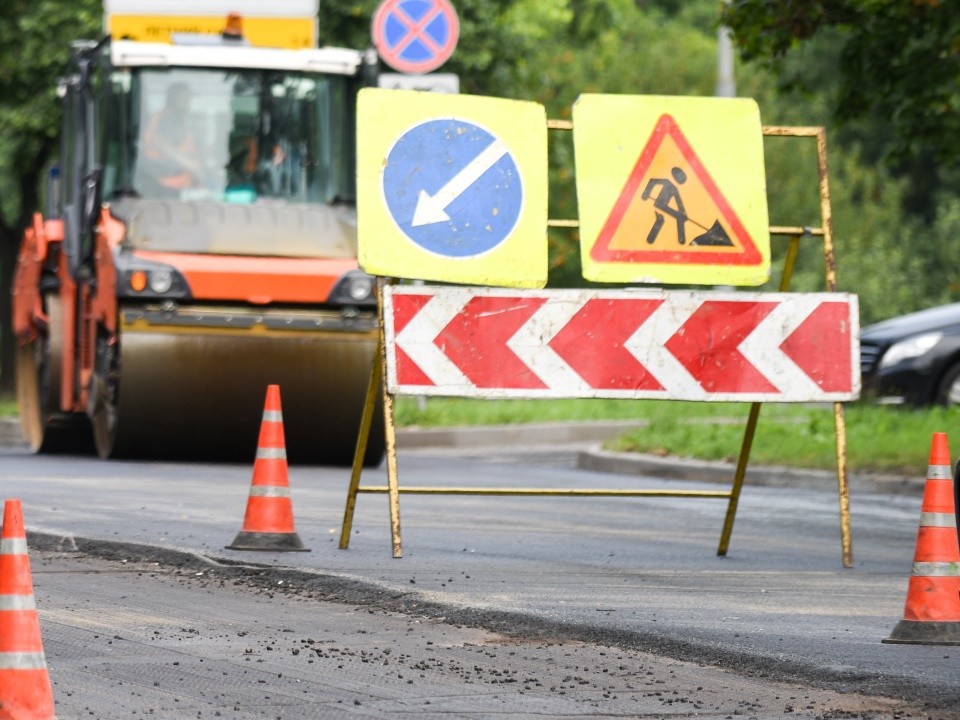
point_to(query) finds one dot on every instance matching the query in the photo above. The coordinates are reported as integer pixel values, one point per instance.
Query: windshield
(234, 136)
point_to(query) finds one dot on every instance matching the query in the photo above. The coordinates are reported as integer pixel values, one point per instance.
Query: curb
(673, 468)
(558, 433)
(10, 433)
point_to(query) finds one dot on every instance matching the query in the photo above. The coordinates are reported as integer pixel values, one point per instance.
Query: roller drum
(188, 392)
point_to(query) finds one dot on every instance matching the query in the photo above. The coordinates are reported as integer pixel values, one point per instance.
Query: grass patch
(443, 412)
(879, 439)
(8, 405)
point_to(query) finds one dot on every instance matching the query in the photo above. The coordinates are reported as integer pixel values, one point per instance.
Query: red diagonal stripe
(826, 327)
(408, 372)
(706, 345)
(475, 340)
(416, 30)
(592, 344)
(405, 308)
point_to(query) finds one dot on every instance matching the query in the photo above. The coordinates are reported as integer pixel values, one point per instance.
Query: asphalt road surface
(604, 590)
(173, 641)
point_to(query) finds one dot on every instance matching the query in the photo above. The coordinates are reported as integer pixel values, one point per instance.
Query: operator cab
(210, 148)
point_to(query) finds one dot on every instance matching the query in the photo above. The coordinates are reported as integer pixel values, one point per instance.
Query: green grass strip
(879, 439)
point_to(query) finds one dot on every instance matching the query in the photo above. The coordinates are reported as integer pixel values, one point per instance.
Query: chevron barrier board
(661, 344)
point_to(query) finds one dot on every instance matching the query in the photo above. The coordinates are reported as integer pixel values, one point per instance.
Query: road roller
(198, 244)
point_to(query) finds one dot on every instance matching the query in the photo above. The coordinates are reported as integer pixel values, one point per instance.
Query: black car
(913, 359)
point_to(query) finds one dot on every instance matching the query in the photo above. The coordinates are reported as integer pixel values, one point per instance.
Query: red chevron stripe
(827, 326)
(592, 344)
(475, 340)
(706, 345)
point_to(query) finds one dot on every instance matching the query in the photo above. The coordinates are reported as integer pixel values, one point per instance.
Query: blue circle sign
(415, 36)
(453, 188)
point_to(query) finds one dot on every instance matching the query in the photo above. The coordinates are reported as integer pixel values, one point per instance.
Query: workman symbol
(665, 195)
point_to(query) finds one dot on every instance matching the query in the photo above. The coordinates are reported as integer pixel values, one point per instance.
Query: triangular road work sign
(669, 204)
(671, 211)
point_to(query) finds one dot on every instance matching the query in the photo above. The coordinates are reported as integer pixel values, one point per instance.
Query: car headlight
(913, 347)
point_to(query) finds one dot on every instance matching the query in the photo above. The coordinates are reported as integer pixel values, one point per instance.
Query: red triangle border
(601, 252)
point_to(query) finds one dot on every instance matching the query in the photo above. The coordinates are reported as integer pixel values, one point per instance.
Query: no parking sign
(415, 36)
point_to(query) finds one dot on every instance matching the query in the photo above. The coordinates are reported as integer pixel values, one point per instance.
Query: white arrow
(430, 208)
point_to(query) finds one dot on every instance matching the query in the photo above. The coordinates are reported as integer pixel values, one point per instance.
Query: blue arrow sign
(453, 188)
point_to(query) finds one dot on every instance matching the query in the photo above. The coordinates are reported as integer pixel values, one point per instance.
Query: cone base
(276, 542)
(925, 633)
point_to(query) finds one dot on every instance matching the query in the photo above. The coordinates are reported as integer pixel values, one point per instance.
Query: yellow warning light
(234, 27)
(138, 280)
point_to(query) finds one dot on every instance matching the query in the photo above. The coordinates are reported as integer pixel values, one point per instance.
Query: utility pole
(726, 84)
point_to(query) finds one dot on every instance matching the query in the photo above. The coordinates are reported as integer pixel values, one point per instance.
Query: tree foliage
(898, 60)
(35, 40)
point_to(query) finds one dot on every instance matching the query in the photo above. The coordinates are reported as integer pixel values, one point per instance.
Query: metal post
(366, 422)
(830, 270)
(752, 419)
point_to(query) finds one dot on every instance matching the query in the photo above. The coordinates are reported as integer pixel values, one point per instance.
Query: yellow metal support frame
(378, 385)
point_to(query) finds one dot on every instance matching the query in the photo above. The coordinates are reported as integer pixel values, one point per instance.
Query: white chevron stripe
(530, 343)
(416, 340)
(762, 347)
(647, 345)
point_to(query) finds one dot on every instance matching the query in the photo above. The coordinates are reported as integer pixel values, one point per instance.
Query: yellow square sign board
(452, 188)
(671, 190)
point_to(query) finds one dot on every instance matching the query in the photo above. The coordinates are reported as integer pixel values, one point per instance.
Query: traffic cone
(25, 692)
(268, 522)
(932, 612)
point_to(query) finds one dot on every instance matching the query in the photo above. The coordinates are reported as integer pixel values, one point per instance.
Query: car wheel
(948, 393)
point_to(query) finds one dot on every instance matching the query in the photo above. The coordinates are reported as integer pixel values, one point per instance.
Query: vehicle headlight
(161, 281)
(360, 287)
(913, 347)
(151, 280)
(356, 289)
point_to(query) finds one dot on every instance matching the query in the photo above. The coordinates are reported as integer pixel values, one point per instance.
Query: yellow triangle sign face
(671, 211)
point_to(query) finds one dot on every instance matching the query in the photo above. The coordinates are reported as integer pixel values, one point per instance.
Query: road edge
(589, 436)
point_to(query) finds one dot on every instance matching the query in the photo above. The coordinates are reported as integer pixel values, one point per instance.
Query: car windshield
(233, 136)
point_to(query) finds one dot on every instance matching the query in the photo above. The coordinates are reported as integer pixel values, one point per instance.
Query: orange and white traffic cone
(268, 522)
(932, 612)
(25, 691)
